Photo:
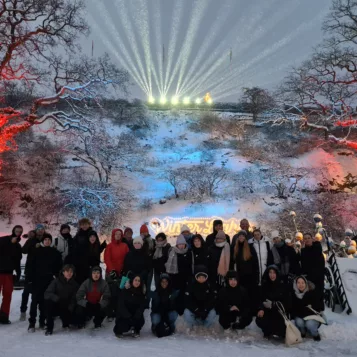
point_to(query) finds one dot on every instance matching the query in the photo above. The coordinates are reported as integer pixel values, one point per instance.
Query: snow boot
(48, 332)
(23, 316)
(31, 328)
(97, 326)
(317, 337)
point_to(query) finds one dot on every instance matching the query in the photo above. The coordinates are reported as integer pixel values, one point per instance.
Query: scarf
(171, 264)
(300, 294)
(284, 264)
(158, 250)
(225, 259)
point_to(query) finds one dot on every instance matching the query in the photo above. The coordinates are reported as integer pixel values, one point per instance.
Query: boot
(49, 332)
(31, 328)
(317, 337)
(4, 319)
(23, 316)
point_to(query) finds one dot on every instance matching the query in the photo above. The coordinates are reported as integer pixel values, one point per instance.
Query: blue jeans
(172, 317)
(311, 326)
(191, 320)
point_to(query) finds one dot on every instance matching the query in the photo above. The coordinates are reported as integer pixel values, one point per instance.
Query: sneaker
(119, 335)
(135, 334)
(317, 337)
(31, 328)
(48, 332)
(23, 316)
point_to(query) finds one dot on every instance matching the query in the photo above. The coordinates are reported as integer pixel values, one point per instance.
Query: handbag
(317, 316)
(292, 335)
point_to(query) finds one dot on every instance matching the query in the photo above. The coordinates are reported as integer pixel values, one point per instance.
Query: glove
(113, 275)
(267, 304)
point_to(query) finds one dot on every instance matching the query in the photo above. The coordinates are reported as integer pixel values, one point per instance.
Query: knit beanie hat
(127, 229)
(232, 274)
(275, 234)
(161, 235)
(201, 270)
(39, 226)
(144, 229)
(221, 235)
(242, 233)
(96, 268)
(184, 228)
(48, 236)
(65, 226)
(181, 240)
(138, 240)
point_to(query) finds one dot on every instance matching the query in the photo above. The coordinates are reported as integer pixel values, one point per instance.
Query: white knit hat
(185, 228)
(275, 234)
(138, 240)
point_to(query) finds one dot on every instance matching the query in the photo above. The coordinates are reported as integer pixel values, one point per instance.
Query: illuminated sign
(200, 225)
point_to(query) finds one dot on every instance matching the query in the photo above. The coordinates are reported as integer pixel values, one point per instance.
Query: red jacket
(115, 253)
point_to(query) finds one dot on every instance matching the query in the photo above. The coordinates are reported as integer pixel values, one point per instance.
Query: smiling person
(217, 226)
(10, 261)
(160, 256)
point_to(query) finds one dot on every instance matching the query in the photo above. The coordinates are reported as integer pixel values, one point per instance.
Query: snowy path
(15, 341)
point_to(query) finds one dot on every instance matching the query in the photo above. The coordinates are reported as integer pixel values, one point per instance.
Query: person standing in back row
(64, 242)
(10, 261)
(244, 226)
(217, 226)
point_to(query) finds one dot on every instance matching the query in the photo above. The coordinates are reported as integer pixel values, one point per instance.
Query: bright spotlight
(186, 100)
(174, 100)
(151, 100)
(210, 101)
(163, 100)
(198, 101)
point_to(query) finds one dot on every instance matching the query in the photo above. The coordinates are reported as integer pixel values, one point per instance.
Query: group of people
(238, 279)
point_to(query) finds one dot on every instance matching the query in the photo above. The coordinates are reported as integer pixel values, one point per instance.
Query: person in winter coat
(10, 261)
(45, 264)
(163, 307)
(244, 226)
(305, 302)
(94, 251)
(93, 299)
(128, 237)
(160, 256)
(200, 301)
(199, 251)
(130, 311)
(274, 290)
(219, 260)
(313, 264)
(285, 258)
(149, 249)
(179, 267)
(185, 231)
(233, 305)
(217, 226)
(60, 299)
(64, 242)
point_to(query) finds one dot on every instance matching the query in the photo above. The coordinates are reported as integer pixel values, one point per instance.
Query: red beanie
(144, 229)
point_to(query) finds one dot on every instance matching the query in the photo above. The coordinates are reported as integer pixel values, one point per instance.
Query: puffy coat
(264, 254)
(159, 263)
(10, 256)
(229, 297)
(115, 254)
(163, 300)
(131, 303)
(200, 255)
(313, 263)
(137, 262)
(200, 297)
(63, 291)
(64, 244)
(149, 246)
(287, 255)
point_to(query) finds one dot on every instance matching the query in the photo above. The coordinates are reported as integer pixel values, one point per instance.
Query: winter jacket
(214, 256)
(287, 255)
(131, 303)
(64, 244)
(10, 256)
(159, 264)
(248, 270)
(299, 306)
(235, 238)
(184, 263)
(229, 297)
(137, 262)
(128, 243)
(45, 263)
(94, 292)
(163, 300)
(63, 291)
(264, 255)
(200, 255)
(313, 263)
(115, 254)
(149, 246)
(200, 297)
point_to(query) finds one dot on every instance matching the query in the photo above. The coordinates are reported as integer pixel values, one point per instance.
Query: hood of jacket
(113, 235)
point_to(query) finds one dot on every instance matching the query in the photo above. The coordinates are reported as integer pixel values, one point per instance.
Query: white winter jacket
(262, 247)
(62, 245)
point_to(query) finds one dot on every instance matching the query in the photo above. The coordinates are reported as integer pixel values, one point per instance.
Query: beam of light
(151, 100)
(126, 60)
(163, 100)
(129, 32)
(200, 6)
(176, 19)
(175, 100)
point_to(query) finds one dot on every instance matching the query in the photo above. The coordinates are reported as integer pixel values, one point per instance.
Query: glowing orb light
(198, 101)
(151, 100)
(186, 100)
(174, 100)
(163, 100)
(210, 101)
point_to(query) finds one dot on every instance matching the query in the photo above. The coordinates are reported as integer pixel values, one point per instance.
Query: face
(40, 232)
(272, 275)
(276, 240)
(257, 235)
(164, 283)
(308, 240)
(220, 240)
(117, 235)
(241, 239)
(18, 232)
(92, 239)
(201, 279)
(232, 283)
(219, 227)
(84, 226)
(128, 234)
(244, 224)
(159, 240)
(197, 243)
(47, 242)
(68, 274)
(95, 275)
(32, 234)
(137, 245)
(136, 282)
(185, 233)
(181, 246)
(65, 231)
(301, 285)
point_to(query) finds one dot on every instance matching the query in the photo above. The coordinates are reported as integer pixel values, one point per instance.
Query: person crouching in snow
(60, 299)
(219, 258)
(130, 311)
(93, 299)
(163, 308)
(200, 301)
(179, 267)
(306, 302)
(274, 290)
(233, 305)
(160, 256)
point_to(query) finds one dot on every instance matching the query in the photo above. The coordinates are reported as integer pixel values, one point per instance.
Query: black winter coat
(149, 246)
(10, 256)
(200, 255)
(137, 262)
(313, 263)
(299, 306)
(63, 291)
(184, 264)
(131, 303)
(248, 270)
(289, 253)
(200, 297)
(229, 297)
(214, 256)
(159, 264)
(163, 300)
